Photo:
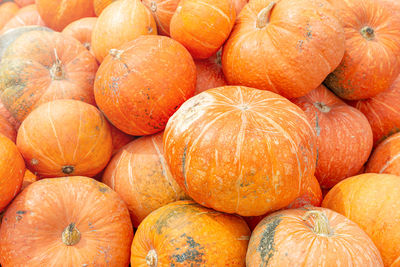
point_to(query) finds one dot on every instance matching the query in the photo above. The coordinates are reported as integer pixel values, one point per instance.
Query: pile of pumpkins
(200, 133)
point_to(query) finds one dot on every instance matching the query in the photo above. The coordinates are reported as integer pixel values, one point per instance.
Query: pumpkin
(310, 237)
(81, 30)
(184, 233)
(74, 221)
(12, 169)
(52, 149)
(7, 129)
(239, 4)
(24, 17)
(139, 168)
(7, 11)
(382, 112)
(162, 11)
(10, 119)
(214, 142)
(100, 5)
(209, 74)
(287, 47)
(202, 26)
(344, 136)
(140, 102)
(23, 3)
(121, 22)
(372, 201)
(119, 139)
(372, 59)
(58, 13)
(41, 66)
(29, 178)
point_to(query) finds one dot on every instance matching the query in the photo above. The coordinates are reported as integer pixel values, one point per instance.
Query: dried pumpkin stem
(321, 222)
(56, 71)
(68, 169)
(115, 53)
(322, 107)
(71, 235)
(151, 258)
(153, 6)
(368, 33)
(264, 15)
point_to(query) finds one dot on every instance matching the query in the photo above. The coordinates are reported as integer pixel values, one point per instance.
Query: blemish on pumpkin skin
(21, 212)
(266, 247)
(184, 164)
(192, 255)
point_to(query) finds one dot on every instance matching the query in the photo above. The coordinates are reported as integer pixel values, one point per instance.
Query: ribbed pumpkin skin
(100, 5)
(49, 146)
(140, 102)
(382, 112)
(140, 168)
(7, 129)
(29, 75)
(372, 201)
(202, 26)
(369, 66)
(81, 30)
(287, 238)
(7, 11)
(26, 16)
(12, 169)
(32, 227)
(344, 136)
(57, 14)
(162, 11)
(121, 22)
(214, 142)
(184, 233)
(209, 74)
(292, 55)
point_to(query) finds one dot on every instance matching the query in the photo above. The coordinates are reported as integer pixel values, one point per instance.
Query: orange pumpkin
(209, 74)
(58, 13)
(139, 86)
(239, 4)
(65, 138)
(121, 22)
(100, 5)
(382, 112)
(372, 59)
(344, 136)
(119, 138)
(214, 142)
(7, 11)
(41, 66)
(372, 201)
(74, 221)
(287, 47)
(26, 16)
(7, 129)
(29, 178)
(184, 233)
(81, 30)
(202, 26)
(23, 3)
(136, 170)
(310, 237)
(12, 169)
(162, 11)
(10, 119)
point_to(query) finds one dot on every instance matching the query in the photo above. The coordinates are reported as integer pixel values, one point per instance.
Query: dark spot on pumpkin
(21, 212)
(103, 189)
(266, 247)
(18, 218)
(192, 254)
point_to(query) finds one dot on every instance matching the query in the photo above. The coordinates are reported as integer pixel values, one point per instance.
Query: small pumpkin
(52, 149)
(121, 22)
(344, 136)
(7, 129)
(81, 30)
(41, 66)
(184, 233)
(140, 102)
(371, 62)
(310, 237)
(73, 221)
(239, 4)
(371, 200)
(209, 73)
(100, 5)
(287, 47)
(25, 16)
(58, 14)
(7, 11)
(202, 26)
(23, 3)
(29, 178)
(119, 138)
(162, 11)
(214, 142)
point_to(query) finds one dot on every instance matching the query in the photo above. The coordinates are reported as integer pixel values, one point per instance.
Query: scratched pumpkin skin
(184, 233)
(344, 135)
(213, 145)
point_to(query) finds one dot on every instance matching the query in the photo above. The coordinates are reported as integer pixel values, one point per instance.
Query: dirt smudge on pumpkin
(193, 255)
(165, 218)
(266, 247)
(184, 165)
(21, 212)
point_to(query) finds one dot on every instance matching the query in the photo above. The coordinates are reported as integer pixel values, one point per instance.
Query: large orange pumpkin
(287, 47)
(7, 11)
(162, 11)
(372, 59)
(310, 237)
(184, 233)
(214, 142)
(24, 17)
(140, 85)
(73, 221)
(121, 22)
(140, 168)
(7, 129)
(59, 13)
(81, 30)
(100, 5)
(65, 138)
(344, 136)
(372, 201)
(12, 169)
(202, 26)
(41, 66)
(209, 73)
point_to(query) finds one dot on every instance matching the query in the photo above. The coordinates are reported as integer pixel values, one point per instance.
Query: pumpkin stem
(68, 169)
(368, 33)
(322, 107)
(151, 258)
(56, 70)
(153, 6)
(264, 15)
(87, 45)
(71, 235)
(115, 53)
(321, 222)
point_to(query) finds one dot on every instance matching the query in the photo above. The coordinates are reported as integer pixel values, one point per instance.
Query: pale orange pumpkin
(81, 30)
(7, 129)
(7, 11)
(25, 16)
